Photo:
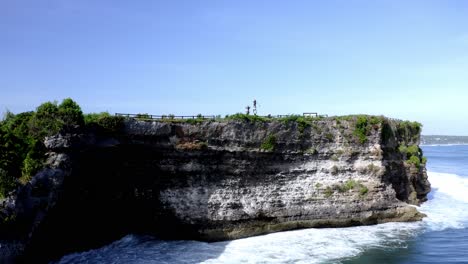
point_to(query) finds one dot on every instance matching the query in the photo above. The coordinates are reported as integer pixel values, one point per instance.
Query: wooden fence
(159, 117)
(185, 117)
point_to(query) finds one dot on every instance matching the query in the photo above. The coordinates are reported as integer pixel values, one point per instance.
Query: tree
(70, 113)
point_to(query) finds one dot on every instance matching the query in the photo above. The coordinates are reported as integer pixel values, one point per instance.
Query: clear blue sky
(405, 59)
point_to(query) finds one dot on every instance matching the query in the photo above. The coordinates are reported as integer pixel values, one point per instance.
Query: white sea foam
(447, 208)
(448, 204)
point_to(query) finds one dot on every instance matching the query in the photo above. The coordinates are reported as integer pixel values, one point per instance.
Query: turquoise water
(442, 237)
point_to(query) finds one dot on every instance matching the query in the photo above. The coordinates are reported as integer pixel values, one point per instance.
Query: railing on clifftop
(199, 116)
(159, 117)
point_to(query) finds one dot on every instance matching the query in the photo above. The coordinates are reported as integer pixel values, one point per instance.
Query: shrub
(94, 117)
(414, 160)
(70, 113)
(246, 118)
(7, 183)
(363, 190)
(328, 191)
(142, 116)
(22, 135)
(352, 185)
(414, 127)
(329, 136)
(375, 120)
(46, 121)
(104, 121)
(301, 121)
(31, 165)
(348, 185)
(269, 143)
(413, 150)
(360, 130)
(409, 131)
(403, 149)
(194, 120)
(111, 123)
(424, 160)
(409, 151)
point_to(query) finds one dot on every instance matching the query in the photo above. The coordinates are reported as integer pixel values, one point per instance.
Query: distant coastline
(442, 140)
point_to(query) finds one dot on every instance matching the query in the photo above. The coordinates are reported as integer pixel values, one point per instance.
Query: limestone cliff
(214, 181)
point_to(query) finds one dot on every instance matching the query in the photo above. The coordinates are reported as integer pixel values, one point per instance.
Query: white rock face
(321, 176)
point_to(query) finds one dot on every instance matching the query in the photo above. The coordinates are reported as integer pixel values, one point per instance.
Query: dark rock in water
(211, 181)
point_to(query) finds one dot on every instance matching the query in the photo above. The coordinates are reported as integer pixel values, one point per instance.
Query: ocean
(442, 237)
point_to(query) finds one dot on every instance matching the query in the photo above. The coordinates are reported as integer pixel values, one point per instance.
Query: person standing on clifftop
(247, 108)
(254, 107)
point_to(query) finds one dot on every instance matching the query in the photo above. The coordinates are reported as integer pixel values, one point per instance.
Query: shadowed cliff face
(214, 181)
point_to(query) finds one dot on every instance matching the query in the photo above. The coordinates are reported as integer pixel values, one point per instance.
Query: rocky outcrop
(212, 181)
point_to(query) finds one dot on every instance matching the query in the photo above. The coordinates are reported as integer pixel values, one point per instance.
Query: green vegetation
(375, 120)
(363, 190)
(104, 122)
(414, 160)
(364, 125)
(195, 120)
(373, 169)
(424, 160)
(411, 154)
(21, 139)
(94, 117)
(22, 135)
(352, 185)
(317, 128)
(246, 118)
(269, 143)
(348, 185)
(414, 127)
(6, 183)
(318, 185)
(328, 192)
(301, 121)
(361, 129)
(409, 151)
(144, 116)
(409, 131)
(312, 151)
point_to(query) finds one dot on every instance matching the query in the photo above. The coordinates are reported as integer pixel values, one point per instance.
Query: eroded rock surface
(212, 181)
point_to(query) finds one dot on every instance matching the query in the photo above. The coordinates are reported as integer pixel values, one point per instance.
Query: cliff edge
(215, 180)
